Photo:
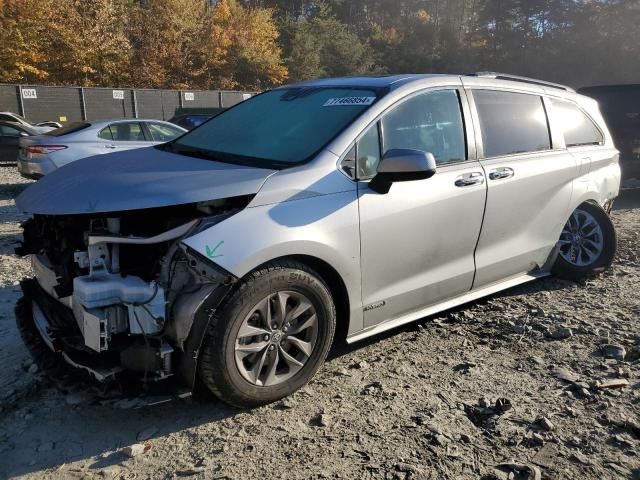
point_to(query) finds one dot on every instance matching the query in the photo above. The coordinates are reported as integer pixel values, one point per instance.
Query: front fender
(324, 227)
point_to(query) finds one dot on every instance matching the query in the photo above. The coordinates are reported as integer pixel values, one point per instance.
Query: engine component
(155, 361)
(147, 319)
(113, 289)
(99, 324)
(145, 302)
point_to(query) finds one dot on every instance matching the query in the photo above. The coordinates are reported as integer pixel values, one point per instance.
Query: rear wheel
(271, 336)
(587, 244)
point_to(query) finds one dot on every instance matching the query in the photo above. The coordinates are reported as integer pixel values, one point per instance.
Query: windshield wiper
(190, 152)
(223, 157)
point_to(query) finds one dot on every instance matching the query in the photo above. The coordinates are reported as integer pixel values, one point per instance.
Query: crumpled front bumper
(55, 324)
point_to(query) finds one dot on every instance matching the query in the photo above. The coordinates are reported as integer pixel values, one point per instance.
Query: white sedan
(42, 154)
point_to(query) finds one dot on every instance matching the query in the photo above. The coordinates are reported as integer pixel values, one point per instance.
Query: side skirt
(446, 305)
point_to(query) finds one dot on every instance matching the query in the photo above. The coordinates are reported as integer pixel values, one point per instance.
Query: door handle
(501, 173)
(110, 146)
(470, 179)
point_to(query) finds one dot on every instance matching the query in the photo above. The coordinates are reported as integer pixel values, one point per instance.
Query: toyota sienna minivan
(230, 257)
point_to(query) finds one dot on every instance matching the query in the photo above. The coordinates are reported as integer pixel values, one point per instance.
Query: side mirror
(402, 165)
(24, 134)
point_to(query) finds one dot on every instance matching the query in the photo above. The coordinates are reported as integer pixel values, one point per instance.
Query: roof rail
(516, 78)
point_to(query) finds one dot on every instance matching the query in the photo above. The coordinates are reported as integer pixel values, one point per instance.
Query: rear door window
(511, 123)
(127, 132)
(161, 132)
(579, 130)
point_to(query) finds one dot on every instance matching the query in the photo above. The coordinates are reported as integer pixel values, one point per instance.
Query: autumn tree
(253, 44)
(24, 31)
(91, 46)
(167, 40)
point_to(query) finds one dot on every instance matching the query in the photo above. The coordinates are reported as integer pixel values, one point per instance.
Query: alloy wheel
(276, 339)
(582, 241)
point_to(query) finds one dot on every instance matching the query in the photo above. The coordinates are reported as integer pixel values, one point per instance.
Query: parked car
(231, 256)
(41, 127)
(10, 134)
(190, 121)
(191, 118)
(43, 154)
(620, 105)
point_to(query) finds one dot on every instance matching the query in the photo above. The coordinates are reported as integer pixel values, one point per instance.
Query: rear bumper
(35, 169)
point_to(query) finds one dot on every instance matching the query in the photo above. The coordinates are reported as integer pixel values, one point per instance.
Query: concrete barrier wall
(67, 104)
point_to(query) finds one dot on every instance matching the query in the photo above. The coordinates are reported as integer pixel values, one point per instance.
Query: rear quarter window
(578, 128)
(512, 123)
(105, 134)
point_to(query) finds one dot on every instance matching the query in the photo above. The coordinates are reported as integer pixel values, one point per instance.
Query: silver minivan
(231, 256)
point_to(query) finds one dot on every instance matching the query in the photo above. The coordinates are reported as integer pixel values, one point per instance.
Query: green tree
(323, 46)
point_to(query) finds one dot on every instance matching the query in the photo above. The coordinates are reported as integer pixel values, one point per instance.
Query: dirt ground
(515, 386)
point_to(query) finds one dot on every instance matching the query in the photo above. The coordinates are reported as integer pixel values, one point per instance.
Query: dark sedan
(10, 134)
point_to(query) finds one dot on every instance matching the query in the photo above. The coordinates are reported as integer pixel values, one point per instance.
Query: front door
(418, 240)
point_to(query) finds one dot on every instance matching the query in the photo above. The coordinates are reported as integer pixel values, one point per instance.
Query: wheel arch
(335, 283)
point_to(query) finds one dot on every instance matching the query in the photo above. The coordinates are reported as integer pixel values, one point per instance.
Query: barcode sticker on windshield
(349, 101)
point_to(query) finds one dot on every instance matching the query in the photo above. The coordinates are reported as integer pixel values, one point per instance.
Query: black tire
(217, 368)
(569, 271)
(47, 361)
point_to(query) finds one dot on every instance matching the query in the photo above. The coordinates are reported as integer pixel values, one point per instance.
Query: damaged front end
(120, 294)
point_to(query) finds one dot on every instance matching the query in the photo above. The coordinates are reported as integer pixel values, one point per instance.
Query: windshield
(279, 128)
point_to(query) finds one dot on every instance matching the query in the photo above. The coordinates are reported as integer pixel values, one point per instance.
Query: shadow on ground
(628, 199)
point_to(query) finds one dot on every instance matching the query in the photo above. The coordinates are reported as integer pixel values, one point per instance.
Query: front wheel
(270, 338)
(587, 245)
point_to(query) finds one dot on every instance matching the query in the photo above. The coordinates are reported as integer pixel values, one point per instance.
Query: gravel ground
(516, 386)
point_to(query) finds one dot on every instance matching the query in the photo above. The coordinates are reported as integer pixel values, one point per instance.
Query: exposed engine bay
(116, 293)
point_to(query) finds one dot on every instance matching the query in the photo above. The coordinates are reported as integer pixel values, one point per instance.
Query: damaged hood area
(135, 180)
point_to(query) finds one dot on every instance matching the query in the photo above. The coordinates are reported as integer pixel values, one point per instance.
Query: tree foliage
(254, 44)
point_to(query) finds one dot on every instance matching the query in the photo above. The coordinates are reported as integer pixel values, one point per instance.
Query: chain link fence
(67, 104)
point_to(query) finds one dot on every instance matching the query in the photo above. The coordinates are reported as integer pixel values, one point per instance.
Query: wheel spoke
(583, 252)
(299, 310)
(250, 348)
(264, 308)
(281, 302)
(574, 222)
(589, 229)
(292, 362)
(309, 322)
(274, 358)
(304, 347)
(592, 246)
(250, 331)
(257, 368)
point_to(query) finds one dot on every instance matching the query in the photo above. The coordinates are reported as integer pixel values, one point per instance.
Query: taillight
(44, 149)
